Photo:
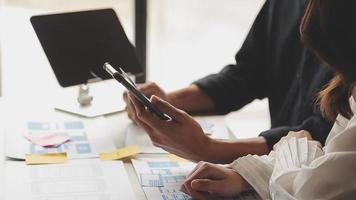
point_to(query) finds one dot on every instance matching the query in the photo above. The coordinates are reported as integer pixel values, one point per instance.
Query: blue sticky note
(162, 164)
(37, 149)
(151, 180)
(59, 148)
(161, 171)
(32, 149)
(83, 148)
(38, 126)
(73, 125)
(82, 137)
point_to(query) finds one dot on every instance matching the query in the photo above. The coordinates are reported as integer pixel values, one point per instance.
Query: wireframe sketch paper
(162, 178)
(78, 179)
(137, 136)
(86, 139)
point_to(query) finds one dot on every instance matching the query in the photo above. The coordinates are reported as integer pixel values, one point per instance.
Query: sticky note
(50, 158)
(120, 153)
(47, 139)
(176, 158)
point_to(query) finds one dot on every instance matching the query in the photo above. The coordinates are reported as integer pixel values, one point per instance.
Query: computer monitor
(77, 44)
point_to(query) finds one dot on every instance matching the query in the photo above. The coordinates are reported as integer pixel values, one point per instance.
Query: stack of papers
(79, 180)
(86, 140)
(161, 179)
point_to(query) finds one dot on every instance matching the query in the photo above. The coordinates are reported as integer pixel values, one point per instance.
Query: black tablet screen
(77, 44)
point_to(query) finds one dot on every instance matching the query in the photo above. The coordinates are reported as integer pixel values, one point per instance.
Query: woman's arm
(329, 176)
(257, 170)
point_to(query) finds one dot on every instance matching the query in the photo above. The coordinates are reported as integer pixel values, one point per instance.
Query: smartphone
(125, 80)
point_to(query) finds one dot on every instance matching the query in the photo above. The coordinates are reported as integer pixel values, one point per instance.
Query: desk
(117, 122)
(116, 130)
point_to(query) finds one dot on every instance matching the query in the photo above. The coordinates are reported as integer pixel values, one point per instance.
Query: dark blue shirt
(274, 64)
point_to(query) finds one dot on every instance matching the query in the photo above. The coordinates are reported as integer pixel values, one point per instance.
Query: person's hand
(182, 135)
(148, 89)
(209, 181)
(297, 134)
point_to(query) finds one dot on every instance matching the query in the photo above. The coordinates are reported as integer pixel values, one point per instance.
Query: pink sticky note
(47, 139)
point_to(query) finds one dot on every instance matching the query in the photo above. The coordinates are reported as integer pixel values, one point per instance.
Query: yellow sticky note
(120, 153)
(50, 158)
(176, 158)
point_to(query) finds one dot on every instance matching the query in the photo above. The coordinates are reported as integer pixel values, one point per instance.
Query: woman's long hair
(328, 29)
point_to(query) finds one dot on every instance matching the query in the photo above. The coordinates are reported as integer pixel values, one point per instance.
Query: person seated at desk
(273, 64)
(299, 168)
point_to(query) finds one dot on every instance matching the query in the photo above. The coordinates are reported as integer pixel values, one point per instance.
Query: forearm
(192, 100)
(226, 151)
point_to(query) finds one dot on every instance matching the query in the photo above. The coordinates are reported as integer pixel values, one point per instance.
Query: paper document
(86, 139)
(78, 179)
(249, 121)
(137, 136)
(176, 158)
(161, 179)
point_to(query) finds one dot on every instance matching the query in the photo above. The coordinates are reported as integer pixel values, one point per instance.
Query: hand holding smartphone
(122, 78)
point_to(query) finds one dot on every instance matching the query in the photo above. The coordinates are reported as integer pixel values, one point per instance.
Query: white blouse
(300, 169)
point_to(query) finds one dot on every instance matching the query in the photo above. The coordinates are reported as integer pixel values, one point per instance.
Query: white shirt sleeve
(300, 169)
(256, 170)
(291, 154)
(295, 153)
(329, 175)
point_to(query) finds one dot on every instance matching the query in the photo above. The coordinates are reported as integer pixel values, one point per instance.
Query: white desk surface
(117, 122)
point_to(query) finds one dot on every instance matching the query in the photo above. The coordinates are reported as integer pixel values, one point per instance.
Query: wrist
(244, 185)
(180, 100)
(226, 151)
(191, 99)
(172, 98)
(215, 151)
(202, 151)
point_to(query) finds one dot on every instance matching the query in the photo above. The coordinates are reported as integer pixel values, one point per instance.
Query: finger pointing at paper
(182, 135)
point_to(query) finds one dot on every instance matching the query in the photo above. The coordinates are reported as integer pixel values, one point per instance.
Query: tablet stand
(84, 98)
(96, 98)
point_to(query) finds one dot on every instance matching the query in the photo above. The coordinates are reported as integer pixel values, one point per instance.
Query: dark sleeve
(237, 85)
(316, 125)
